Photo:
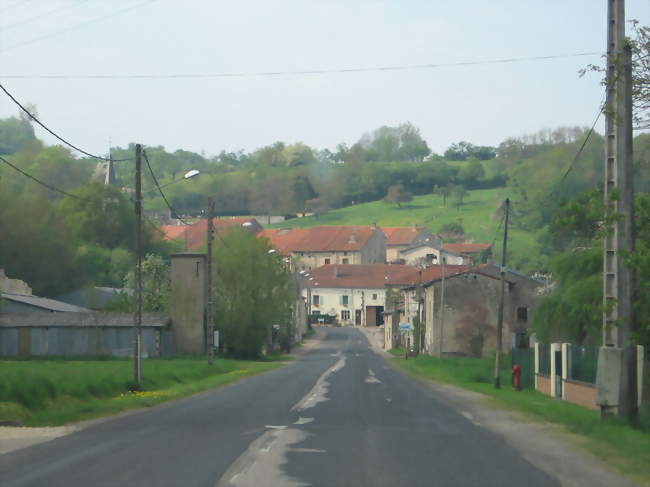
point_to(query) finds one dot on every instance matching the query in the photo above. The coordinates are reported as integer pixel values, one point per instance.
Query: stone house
(194, 236)
(474, 253)
(470, 311)
(426, 254)
(328, 245)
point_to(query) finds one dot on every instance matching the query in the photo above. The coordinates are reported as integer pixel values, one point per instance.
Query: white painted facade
(345, 303)
(428, 255)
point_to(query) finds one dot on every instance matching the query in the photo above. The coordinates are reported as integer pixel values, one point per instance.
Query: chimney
(414, 227)
(336, 272)
(353, 238)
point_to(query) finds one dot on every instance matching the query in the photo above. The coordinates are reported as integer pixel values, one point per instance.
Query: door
(357, 317)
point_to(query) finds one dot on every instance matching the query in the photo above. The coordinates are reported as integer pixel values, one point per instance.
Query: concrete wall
(87, 341)
(358, 299)
(188, 278)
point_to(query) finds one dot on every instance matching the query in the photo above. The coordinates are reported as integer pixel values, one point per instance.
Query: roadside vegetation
(615, 442)
(54, 392)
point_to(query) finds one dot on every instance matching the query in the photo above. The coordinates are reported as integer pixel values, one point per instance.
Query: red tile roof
(196, 234)
(173, 231)
(375, 276)
(401, 235)
(466, 248)
(319, 239)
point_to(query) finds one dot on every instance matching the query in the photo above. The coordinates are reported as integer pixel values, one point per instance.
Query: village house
(325, 245)
(401, 238)
(468, 318)
(474, 253)
(430, 253)
(353, 294)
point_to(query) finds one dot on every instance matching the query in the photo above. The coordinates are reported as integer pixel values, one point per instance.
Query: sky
(483, 104)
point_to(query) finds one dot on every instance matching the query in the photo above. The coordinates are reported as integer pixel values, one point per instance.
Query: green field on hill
(478, 216)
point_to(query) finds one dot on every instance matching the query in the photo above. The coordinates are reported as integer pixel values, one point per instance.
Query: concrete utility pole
(441, 328)
(137, 333)
(497, 360)
(616, 381)
(420, 324)
(209, 309)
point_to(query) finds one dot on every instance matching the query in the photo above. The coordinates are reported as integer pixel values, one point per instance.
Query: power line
(76, 26)
(15, 4)
(155, 180)
(69, 144)
(48, 186)
(42, 15)
(302, 72)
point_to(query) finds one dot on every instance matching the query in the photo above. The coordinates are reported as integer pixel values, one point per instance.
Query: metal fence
(545, 358)
(583, 362)
(525, 358)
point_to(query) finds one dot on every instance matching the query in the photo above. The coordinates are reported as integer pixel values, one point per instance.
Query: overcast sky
(482, 104)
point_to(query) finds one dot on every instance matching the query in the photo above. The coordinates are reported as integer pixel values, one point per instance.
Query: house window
(346, 261)
(345, 300)
(522, 315)
(315, 300)
(374, 297)
(345, 314)
(327, 261)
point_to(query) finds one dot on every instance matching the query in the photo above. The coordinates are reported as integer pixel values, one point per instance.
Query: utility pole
(137, 334)
(618, 279)
(209, 312)
(419, 296)
(441, 329)
(497, 361)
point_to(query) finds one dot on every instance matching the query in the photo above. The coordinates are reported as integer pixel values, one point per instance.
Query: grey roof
(84, 320)
(45, 303)
(93, 297)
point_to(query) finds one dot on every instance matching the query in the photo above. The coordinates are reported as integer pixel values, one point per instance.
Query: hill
(478, 216)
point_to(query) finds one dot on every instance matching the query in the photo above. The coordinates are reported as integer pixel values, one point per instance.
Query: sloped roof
(173, 231)
(401, 235)
(376, 276)
(195, 235)
(319, 239)
(44, 303)
(85, 320)
(466, 248)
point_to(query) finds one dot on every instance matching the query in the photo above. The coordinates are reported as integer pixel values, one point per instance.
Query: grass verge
(56, 392)
(620, 446)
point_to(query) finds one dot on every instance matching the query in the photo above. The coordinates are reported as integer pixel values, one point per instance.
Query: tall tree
(398, 195)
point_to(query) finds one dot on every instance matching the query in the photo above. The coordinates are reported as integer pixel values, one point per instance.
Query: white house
(354, 294)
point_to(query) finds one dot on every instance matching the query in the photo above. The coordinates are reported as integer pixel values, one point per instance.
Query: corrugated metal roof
(84, 320)
(44, 303)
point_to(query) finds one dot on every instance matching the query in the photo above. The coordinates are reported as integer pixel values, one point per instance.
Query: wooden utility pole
(441, 328)
(137, 333)
(618, 278)
(497, 361)
(209, 312)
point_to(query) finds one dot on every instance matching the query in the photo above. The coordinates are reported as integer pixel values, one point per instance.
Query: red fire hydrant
(516, 377)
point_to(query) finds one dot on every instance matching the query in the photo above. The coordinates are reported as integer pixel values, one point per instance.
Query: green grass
(477, 216)
(55, 392)
(624, 448)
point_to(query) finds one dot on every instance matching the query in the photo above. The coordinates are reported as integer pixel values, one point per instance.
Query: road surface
(338, 416)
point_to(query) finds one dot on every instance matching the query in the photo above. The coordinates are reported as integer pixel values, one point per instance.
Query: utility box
(188, 300)
(608, 377)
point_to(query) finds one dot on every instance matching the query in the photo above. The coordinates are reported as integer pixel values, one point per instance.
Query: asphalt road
(338, 416)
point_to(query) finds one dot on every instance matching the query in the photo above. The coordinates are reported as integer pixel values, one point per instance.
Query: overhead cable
(155, 180)
(254, 74)
(42, 15)
(69, 144)
(42, 183)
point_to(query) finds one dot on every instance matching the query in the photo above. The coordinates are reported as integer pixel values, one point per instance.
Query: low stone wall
(544, 384)
(580, 393)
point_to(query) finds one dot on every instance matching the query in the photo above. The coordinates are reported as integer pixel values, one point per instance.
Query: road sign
(404, 326)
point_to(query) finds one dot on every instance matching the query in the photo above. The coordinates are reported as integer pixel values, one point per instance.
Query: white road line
(319, 392)
(371, 379)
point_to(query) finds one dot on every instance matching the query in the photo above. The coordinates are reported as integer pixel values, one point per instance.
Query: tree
(464, 150)
(460, 193)
(317, 206)
(253, 292)
(14, 134)
(298, 155)
(302, 191)
(100, 215)
(471, 172)
(396, 194)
